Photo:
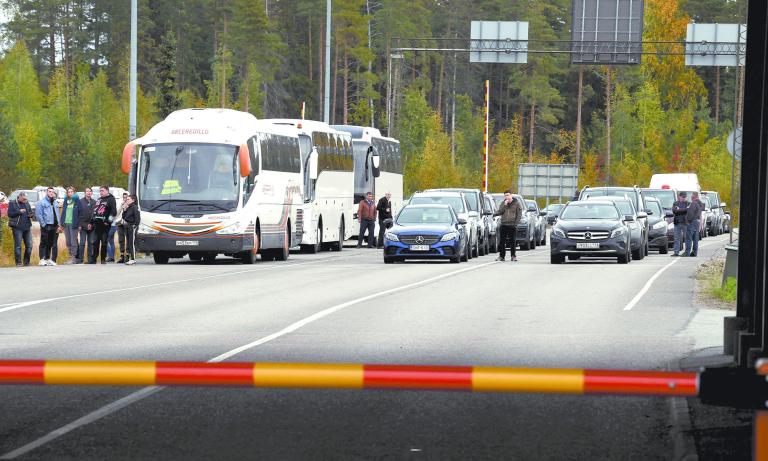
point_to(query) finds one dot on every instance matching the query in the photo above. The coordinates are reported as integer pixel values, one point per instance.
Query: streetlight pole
(133, 83)
(327, 92)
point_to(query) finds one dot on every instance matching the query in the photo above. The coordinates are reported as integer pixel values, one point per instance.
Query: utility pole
(133, 83)
(608, 128)
(578, 116)
(327, 95)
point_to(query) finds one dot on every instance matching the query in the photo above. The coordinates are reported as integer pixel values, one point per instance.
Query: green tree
(168, 95)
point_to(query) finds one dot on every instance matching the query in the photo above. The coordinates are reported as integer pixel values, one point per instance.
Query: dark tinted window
(280, 153)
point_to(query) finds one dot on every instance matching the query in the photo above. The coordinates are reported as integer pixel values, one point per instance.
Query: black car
(658, 221)
(426, 232)
(666, 198)
(553, 211)
(590, 228)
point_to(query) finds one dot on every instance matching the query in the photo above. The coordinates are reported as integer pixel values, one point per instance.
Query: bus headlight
(146, 230)
(232, 229)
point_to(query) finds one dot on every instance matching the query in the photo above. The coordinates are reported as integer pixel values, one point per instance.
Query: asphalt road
(582, 315)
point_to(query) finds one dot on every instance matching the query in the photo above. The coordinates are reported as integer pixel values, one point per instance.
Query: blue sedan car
(426, 232)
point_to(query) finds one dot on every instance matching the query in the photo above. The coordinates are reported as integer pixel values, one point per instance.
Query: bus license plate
(187, 243)
(587, 246)
(419, 247)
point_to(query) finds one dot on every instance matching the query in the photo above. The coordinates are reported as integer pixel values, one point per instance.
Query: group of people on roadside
(367, 213)
(687, 222)
(89, 226)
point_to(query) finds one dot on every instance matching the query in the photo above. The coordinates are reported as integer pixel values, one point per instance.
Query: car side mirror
(669, 214)
(642, 215)
(649, 212)
(488, 213)
(531, 209)
(722, 204)
(629, 218)
(388, 222)
(542, 213)
(462, 221)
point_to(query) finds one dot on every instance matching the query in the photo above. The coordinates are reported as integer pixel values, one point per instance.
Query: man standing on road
(693, 221)
(511, 212)
(49, 217)
(71, 217)
(85, 247)
(366, 216)
(680, 209)
(384, 207)
(104, 211)
(131, 220)
(20, 220)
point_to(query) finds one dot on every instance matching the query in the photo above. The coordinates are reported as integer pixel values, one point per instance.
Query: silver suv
(459, 203)
(475, 201)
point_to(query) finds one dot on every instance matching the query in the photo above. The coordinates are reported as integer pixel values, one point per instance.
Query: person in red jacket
(366, 216)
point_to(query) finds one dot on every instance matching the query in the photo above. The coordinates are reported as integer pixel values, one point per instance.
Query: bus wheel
(249, 256)
(195, 257)
(209, 258)
(281, 254)
(338, 246)
(318, 245)
(160, 257)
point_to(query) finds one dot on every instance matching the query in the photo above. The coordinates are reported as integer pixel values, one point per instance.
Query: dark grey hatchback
(590, 228)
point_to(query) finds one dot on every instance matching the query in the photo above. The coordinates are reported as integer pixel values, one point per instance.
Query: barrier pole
(761, 421)
(486, 133)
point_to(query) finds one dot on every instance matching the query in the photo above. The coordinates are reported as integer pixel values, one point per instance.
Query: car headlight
(144, 229)
(660, 225)
(236, 228)
(618, 232)
(524, 220)
(391, 237)
(556, 232)
(450, 236)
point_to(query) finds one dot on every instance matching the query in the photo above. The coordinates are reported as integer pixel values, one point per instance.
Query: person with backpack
(104, 211)
(131, 220)
(20, 221)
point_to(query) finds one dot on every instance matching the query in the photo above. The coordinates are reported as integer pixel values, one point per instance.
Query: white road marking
(23, 304)
(147, 391)
(647, 286)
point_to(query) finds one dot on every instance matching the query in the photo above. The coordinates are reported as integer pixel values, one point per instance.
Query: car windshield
(189, 177)
(628, 193)
(554, 208)
(589, 211)
(666, 197)
(624, 207)
(706, 202)
(530, 203)
(654, 206)
(456, 202)
(424, 215)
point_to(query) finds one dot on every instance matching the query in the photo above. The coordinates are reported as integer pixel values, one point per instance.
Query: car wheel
(664, 249)
(526, 245)
(481, 249)
(388, 260)
(455, 259)
(465, 253)
(556, 259)
(533, 243)
(638, 254)
(624, 259)
(476, 249)
(544, 239)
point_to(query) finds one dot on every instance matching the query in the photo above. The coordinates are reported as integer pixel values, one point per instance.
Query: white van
(678, 181)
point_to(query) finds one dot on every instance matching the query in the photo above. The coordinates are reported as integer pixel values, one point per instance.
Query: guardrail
(733, 387)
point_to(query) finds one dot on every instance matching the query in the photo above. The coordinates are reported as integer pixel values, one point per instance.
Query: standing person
(20, 220)
(510, 211)
(366, 216)
(113, 230)
(680, 209)
(693, 221)
(49, 217)
(131, 220)
(85, 248)
(384, 207)
(104, 211)
(70, 216)
(118, 224)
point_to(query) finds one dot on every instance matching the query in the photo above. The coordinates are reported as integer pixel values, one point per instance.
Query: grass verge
(710, 275)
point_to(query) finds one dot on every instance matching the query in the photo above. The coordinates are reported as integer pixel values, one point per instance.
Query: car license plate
(587, 246)
(187, 243)
(419, 247)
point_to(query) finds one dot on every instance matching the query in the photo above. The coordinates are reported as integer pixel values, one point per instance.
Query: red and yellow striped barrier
(477, 379)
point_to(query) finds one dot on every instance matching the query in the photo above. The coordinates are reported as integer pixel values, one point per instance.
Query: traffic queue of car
(624, 223)
(457, 225)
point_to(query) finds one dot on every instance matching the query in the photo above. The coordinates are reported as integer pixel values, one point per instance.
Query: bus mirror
(245, 160)
(128, 151)
(313, 164)
(375, 162)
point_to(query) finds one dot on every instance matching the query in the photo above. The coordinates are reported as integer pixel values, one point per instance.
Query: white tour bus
(217, 181)
(378, 167)
(328, 209)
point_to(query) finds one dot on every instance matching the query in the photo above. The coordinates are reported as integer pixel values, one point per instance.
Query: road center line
(647, 286)
(147, 391)
(23, 304)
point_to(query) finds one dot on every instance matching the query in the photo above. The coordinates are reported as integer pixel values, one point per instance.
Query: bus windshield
(189, 178)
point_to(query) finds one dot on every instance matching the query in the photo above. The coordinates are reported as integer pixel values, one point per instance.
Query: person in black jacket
(384, 207)
(131, 220)
(85, 246)
(680, 208)
(104, 211)
(20, 220)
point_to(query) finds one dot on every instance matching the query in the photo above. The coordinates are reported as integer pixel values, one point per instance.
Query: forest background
(64, 86)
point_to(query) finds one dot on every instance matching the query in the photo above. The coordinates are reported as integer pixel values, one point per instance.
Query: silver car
(475, 201)
(541, 221)
(460, 206)
(492, 222)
